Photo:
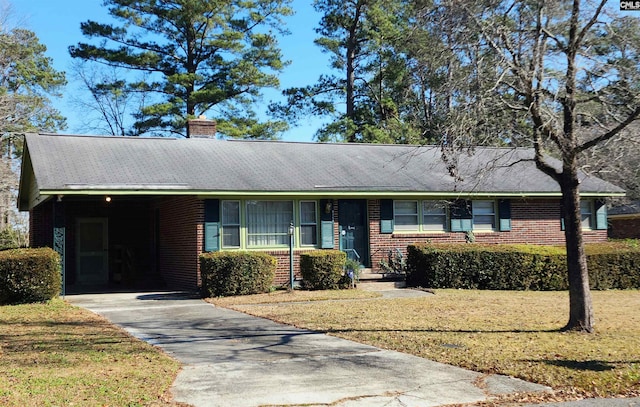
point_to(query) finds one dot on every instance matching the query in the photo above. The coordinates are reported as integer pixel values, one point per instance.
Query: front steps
(371, 281)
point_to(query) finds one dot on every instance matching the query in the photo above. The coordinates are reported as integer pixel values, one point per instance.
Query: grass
(286, 296)
(512, 333)
(55, 354)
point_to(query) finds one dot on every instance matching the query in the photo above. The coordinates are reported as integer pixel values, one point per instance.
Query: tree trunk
(580, 306)
(351, 78)
(351, 54)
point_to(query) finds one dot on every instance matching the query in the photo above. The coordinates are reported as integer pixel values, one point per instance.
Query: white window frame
(474, 214)
(243, 226)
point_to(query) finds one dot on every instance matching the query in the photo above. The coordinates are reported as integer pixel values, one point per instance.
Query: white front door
(92, 249)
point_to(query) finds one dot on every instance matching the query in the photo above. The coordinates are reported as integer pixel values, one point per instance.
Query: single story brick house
(128, 210)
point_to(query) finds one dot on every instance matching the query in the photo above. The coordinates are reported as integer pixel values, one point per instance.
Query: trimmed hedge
(323, 270)
(29, 275)
(519, 267)
(236, 273)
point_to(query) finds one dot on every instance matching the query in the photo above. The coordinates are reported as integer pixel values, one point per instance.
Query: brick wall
(532, 221)
(624, 228)
(41, 225)
(181, 236)
(282, 267)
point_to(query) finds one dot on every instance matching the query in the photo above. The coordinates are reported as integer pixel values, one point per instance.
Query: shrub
(519, 267)
(323, 269)
(29, 275)
(236, 273)
(614, 265)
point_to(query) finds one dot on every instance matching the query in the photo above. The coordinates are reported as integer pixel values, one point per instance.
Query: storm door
(92, 251)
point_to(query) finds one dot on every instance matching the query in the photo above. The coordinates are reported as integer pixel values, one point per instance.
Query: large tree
(110, 105)
(567, 78)
(356, 93)
(27, 81)
(202, 56)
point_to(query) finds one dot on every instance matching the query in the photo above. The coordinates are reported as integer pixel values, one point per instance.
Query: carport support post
(59, 238)
(291, 231)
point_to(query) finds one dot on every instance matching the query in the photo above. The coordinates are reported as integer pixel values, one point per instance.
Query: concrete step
(370, 285)
(368, 274)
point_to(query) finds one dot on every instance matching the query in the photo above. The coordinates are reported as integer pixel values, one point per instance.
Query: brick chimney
(201, 128)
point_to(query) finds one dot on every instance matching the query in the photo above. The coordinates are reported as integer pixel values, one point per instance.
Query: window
(586, 214)
(434, 216)
(442, 216)
(405, 215)
(231, 224)
(268, 223)
(308, 223)
(484, 215)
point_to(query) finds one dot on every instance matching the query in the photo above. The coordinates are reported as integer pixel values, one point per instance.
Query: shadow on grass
(462, 331)
(585, 365)
(48, 342)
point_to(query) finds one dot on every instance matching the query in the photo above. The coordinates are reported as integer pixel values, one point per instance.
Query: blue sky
(57, 25)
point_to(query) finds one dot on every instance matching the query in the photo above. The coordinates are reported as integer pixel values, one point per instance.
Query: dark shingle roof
(630, 208)
(67, 163)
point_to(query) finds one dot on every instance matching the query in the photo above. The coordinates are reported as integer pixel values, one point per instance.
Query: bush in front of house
(323, 270)
(485, 267)
(614, 265)
(29, 275)
(236, 273)
(518, 267)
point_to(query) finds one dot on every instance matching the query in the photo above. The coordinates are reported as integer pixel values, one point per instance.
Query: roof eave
(322, 193)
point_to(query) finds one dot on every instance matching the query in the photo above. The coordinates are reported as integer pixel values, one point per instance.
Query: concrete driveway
(233, 359)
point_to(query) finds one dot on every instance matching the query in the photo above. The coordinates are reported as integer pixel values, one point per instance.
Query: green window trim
(211, 225)
(231, 229)
(484, 212)
(240, 227)
(458, 216)
(406, 215)
(308, 228)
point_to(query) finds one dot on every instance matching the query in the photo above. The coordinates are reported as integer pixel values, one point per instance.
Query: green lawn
(512, 333)
(57, 355)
